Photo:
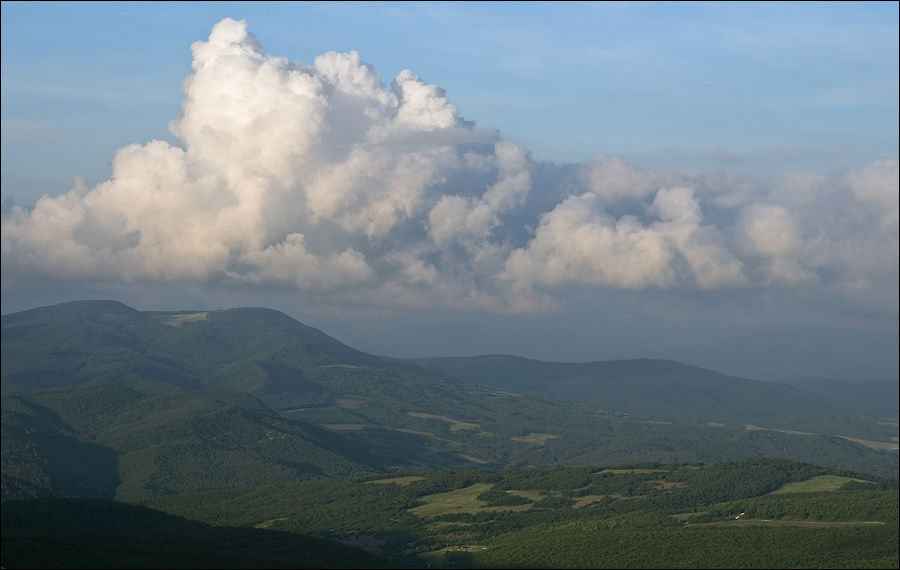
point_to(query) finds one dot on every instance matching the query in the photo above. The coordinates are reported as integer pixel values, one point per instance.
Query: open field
(437, 557)
(463, 500)
(530, 494)
(455, 425)
(538, 438)
(270, 522)
(768, 522)
(587, 500)
(344, 427)
(473, 459)
(790, 431)
(178, 320)
(632, 471)
(882, 445)
(402, 481)
(872, 444)
(816, 484)
(459, 501)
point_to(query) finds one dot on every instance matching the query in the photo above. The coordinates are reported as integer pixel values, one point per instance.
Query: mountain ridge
(158, 395)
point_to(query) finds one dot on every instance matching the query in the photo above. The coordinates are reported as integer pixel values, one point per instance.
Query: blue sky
(728, 164)
(756, 85)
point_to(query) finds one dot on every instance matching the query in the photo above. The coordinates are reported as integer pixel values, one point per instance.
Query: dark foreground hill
(85, 533)
(101, 400)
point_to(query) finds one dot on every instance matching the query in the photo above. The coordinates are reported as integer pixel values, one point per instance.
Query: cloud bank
(321, 179)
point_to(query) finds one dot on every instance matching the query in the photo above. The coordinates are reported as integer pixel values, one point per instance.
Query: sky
(715, 183)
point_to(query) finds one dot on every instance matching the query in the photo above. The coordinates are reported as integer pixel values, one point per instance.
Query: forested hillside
(664, 390)
(104, 401)
(286, 443)
(753, 514)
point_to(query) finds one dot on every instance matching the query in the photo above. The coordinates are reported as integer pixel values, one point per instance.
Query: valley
(248, 419)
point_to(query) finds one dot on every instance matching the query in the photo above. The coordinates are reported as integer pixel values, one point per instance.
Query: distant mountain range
(102, 400)
(666, 390)
(882, 393)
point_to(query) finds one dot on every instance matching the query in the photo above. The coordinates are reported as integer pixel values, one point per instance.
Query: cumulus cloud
(472, 219)
(770, 233)
(878, 185)
(321, 178)
(578, 242)
(615, 180)
(708, 260)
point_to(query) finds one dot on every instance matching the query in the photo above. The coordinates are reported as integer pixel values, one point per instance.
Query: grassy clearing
(587, 500)
(632, 471)
(438, 557)
(473, 459)
(530, 494)
(344, 427)
(463, 500)
(455, 425)
(268, 523)
(538, 438)
(815, 485)
(458, 501)
(178, 320)
(882, 445)
(348, 404)
(413, 431)
(686, 516)
(428, 435)
(768, 522)
(402, 481)
(790, 431)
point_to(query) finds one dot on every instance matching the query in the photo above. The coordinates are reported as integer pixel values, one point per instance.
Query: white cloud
(471, 219)
(613, 179)
(291, 263)
(577, 242)
(770, 233)
(319, 178)
(879, 186)
(711, 265)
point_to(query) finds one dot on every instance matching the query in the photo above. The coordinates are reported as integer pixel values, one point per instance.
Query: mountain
(665, 390)
(96, 342)
(111, 441)
(101, 400)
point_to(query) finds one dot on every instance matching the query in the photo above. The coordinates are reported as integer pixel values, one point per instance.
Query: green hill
(112, 441)
(100, 400)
